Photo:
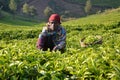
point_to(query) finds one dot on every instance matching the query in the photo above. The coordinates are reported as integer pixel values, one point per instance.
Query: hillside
(62, 7)
(66, 8)
(20, 60)
(16, 20)
(102, 3)
(107, 18)
(69, 8)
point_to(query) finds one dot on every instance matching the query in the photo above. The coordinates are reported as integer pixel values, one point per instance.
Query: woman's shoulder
(62, 28)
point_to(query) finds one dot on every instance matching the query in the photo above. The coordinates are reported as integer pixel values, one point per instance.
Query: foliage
(32, 11)
(88, 6)
(90, 39)
(19, 20)
(10, 35)
(48, 11)
(25, 8)
(106, 18)
(13, 5)
(29, 10)
(20, 60)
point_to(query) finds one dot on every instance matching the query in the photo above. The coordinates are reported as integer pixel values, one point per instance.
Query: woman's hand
(55, 48)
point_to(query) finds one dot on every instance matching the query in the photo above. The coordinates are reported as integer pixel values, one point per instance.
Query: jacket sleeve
(62, 40)
(41, 40)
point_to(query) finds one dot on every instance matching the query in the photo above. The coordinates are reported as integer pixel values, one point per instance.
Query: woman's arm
(62, 41)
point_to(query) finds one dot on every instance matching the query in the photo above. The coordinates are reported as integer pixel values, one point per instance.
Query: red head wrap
(54, 17)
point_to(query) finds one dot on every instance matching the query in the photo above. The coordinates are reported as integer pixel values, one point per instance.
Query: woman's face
(53, 25)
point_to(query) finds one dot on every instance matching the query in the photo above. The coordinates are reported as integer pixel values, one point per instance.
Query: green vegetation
(29, 10)
(106, 18)
(18, 20)
(88, 6)
(20, 60)
(48, 11)
(90, 39)
(13, 6)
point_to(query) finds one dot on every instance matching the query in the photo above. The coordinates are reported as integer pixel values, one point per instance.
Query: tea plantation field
(20, 60)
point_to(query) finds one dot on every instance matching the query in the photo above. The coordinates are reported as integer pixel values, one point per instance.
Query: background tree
(13, 6)
(29, 10)
(25, 9)
(32, 11)
(88, 6)
(48, 11)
